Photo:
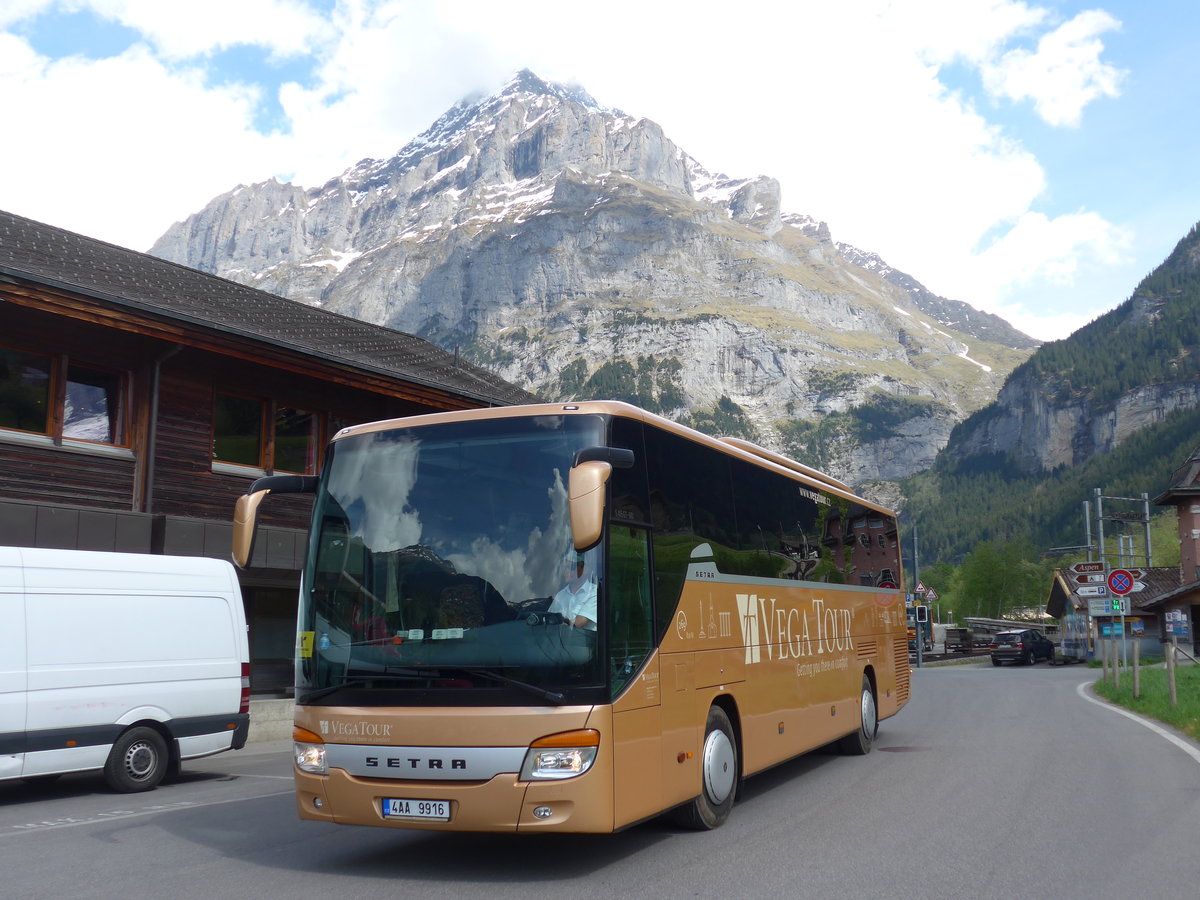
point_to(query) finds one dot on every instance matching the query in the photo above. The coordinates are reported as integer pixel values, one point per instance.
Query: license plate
(396, 808)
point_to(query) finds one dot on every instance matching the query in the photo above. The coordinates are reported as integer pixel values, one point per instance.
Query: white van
(122, 662)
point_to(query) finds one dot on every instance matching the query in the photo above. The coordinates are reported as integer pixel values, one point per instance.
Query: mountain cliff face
(578, 252)
(1084, 396)
(1115, 407)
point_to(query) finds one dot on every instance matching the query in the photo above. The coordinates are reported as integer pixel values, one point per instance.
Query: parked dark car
(1025, 646)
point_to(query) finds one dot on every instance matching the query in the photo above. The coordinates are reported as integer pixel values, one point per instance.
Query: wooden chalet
(1166, 605)
(139, 398)
(1179, 609)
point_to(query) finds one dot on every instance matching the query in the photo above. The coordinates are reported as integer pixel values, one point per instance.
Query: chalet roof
(68, 261)
(1179, 593)
(1159, 581)
(1185, 481)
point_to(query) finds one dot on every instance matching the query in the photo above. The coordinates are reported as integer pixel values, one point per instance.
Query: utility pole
(916, 557)
(918, 642)
(1144, 519)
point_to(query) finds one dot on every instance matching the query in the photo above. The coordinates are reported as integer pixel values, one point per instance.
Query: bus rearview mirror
(245, 511)
(245, 526)
(585, 501)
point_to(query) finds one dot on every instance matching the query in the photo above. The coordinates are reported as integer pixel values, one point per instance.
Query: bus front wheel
(719, 773)
(859, 743)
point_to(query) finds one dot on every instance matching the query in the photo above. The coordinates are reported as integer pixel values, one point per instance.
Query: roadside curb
(1188, 745)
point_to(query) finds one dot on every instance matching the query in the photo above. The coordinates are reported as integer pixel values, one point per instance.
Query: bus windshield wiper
(361, 681)
(424, 673)
(552, 696)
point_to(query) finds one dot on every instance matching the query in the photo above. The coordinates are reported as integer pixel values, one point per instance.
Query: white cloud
(131, 147)
(16, 10)
(1043, 325)
(182, 30)
(1064, 74)
(847, 104)
(1053, 249)
(1045, 258)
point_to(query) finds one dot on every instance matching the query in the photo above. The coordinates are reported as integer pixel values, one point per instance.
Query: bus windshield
(435, 567)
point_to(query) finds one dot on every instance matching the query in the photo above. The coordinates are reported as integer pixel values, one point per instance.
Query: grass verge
(1154, 702)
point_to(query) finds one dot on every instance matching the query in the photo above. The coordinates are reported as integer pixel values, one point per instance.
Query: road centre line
(123, 814)
(1175, 739)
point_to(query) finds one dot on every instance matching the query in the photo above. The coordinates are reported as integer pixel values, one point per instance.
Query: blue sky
(1034, 159)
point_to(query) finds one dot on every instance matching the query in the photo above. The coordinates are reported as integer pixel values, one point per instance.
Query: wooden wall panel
(184, 482)
(52, 475)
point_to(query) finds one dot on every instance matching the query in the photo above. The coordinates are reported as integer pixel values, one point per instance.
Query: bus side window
(630, 633)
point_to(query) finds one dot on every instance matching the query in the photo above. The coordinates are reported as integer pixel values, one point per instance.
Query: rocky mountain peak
(521, 104)
(579, 252)
(526, 82)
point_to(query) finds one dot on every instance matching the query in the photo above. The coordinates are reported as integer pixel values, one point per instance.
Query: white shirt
(577, 599)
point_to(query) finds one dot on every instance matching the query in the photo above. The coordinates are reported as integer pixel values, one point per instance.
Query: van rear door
(13, 678)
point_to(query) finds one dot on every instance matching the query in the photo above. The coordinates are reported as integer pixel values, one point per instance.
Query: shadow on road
(266, 832)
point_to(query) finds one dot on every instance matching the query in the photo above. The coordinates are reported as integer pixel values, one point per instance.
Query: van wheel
(719, 774)
(860, 742)
(137, 761)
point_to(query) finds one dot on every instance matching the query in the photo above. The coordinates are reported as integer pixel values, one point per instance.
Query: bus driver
(576, 602)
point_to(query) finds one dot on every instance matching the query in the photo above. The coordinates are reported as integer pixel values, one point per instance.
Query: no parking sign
(1120, 581)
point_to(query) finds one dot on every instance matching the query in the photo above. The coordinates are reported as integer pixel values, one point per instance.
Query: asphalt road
(1004, 782)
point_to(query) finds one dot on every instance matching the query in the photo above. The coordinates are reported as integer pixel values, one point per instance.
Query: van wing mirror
(245, 512)
(585, 501)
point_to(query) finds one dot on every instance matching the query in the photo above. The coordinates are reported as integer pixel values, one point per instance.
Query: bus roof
(730, 446)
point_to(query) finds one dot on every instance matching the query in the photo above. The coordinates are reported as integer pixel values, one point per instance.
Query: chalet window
(262, 435)
(61, 399)
(238, 430)
(92, 411)
(25, 380)
(295, 440)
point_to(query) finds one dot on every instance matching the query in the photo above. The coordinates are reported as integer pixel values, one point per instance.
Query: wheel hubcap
(139, 760)
(868, 714)
(720, 761)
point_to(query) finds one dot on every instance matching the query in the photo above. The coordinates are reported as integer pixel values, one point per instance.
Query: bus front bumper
(501, 804)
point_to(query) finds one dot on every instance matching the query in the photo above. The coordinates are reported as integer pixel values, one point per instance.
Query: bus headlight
(309, 751)
(563, 755)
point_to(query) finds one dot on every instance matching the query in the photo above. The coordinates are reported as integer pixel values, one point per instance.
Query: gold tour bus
(574, 617)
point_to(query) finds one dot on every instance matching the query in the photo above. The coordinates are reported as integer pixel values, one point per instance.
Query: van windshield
(435, 557)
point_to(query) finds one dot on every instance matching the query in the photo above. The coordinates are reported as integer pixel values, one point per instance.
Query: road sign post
(1120, 582)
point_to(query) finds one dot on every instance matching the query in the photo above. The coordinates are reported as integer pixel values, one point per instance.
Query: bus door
(635, 677)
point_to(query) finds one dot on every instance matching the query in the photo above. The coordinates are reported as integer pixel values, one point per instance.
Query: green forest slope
(1152, 338)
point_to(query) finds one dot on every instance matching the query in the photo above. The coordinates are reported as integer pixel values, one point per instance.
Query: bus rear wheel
(860, 742)
(719, 773)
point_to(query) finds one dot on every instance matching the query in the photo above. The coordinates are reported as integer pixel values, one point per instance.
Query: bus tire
(718, 775)
(137, 761)
(859, 742)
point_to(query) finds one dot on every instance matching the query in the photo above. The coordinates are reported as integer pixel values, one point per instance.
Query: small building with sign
(1080, 598)
(1163, 602)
